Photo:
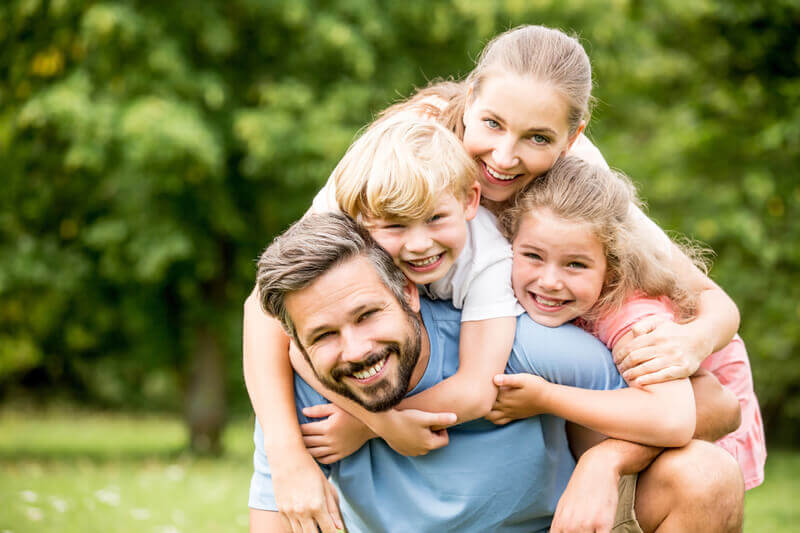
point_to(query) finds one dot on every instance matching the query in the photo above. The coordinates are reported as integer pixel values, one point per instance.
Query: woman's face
(516, 128)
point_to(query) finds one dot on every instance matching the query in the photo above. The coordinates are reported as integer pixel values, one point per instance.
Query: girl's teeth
(496, 175)
(547, 302)
(371, 371)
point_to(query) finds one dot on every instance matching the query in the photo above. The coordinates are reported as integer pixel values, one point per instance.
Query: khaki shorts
(625, 519)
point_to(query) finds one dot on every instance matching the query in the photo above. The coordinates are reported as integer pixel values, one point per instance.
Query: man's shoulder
(438, 310)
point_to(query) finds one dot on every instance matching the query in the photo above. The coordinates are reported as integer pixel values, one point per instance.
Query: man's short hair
(311, 247)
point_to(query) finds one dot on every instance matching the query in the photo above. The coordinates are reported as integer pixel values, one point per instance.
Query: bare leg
(695, 488)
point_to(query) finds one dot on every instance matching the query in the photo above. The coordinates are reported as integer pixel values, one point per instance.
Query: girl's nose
(550, 279)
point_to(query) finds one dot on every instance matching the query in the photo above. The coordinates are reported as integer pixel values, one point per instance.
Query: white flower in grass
(29, 496)
(34, 514)
(141, 514)
(59, 504)
(174, 472)
(108, 496)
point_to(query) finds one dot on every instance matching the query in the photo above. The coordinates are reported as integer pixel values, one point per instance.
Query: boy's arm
(484, 347)
(301, 490)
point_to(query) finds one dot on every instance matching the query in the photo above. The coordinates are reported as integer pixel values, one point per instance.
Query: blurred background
(150, 150)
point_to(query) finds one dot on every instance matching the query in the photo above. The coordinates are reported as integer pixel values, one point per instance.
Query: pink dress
(731, 367)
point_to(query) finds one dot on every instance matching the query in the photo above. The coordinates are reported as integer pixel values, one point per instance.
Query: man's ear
(411, 294)
(574, 137)
(472, 200)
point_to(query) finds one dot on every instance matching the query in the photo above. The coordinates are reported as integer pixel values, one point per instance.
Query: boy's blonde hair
(398, 168)
(606, 201)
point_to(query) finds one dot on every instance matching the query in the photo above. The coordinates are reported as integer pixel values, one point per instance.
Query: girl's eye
(533, 256)
(491, 123)
(576, 264)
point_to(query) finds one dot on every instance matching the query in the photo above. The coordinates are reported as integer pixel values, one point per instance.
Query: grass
(73, 471)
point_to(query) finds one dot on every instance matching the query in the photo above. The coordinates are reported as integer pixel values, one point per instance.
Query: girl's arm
(302, 492)
(661, 415)
(664, 350)
(484, 347)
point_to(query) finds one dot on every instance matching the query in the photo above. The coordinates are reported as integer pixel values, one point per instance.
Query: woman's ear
(472, 201)
(574, 137)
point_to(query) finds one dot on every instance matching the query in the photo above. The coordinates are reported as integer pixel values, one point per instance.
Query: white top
(479, 282)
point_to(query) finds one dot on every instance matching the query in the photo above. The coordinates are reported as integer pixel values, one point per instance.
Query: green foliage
(152, 149)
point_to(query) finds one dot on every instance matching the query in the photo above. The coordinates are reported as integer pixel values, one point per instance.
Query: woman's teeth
(371, 371)
(498, 176)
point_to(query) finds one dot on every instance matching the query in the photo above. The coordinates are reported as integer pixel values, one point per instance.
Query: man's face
(357, 337)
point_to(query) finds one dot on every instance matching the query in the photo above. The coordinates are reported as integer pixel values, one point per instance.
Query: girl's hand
(304, 496)
(520, 396)
(335, 437)
(411, 432)
(659, 351)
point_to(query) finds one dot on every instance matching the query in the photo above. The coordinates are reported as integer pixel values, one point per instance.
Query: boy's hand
(520, 396)
(335, 437)
(660, 350)
(304, 496)
(411, 432)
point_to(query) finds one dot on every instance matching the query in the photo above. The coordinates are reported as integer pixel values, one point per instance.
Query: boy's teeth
(371, 371)
(425, 262)
(548, 302)
(499, 176)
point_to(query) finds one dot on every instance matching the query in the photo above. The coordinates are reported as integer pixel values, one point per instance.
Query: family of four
(445, 341)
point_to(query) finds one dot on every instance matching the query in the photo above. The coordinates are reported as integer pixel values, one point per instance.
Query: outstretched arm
(302, 492)
(661, 415)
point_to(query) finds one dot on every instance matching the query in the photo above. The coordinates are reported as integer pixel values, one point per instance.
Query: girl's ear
(472, 201)
(574, 137)
(411, 294)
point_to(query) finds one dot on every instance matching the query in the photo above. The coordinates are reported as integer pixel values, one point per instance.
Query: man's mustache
(347, 369)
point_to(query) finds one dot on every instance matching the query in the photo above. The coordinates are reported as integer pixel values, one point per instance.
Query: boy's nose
(418, 241)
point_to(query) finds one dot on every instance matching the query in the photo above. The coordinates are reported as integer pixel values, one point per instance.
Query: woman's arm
(301, 490)
(661, 415)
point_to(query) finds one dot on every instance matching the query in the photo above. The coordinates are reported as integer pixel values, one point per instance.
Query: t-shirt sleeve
(613, 326)
(490, 294)
(566, 355)
(262, 494)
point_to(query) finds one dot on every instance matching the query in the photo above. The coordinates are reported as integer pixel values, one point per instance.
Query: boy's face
(426, 249)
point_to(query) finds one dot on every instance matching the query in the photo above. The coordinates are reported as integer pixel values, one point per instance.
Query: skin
(426, 249)
(513, 136)
(559, 268)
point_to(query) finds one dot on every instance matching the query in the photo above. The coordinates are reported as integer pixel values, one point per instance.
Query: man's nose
(355, 345)
(504, 154)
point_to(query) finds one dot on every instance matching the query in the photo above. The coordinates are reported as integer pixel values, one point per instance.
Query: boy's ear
(574, 137)
(472, 201)
(411, 294)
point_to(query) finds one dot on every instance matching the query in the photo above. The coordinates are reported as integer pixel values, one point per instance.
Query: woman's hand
(661, 350)
(411, 432)
(335, 437)
(304, 496)
(520, 396)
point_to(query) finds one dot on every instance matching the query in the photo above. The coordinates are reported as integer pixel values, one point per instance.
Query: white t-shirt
(479, 282)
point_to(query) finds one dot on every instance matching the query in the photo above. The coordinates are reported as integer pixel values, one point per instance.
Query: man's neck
(424, 355)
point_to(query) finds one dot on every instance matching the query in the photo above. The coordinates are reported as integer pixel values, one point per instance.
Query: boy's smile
(426, 249)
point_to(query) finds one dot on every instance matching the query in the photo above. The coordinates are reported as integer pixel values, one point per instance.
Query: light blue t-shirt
(489, 478)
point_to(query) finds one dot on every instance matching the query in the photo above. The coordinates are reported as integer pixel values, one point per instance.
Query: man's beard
(387, 392)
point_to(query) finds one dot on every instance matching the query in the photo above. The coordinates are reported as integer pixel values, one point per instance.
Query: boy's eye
(491, 123)
(437, 216)
(393, 226)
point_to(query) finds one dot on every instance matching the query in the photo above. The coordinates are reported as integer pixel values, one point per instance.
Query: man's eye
(321, 336)
(365, 315)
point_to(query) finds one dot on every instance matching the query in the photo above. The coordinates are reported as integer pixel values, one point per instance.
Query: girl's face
(516, 127)
(559, 268)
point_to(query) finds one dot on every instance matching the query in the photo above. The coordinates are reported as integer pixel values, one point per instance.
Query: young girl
(579, 255)
(524, 106)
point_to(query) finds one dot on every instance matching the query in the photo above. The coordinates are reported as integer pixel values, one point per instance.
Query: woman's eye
(493, 124)
(539, 139)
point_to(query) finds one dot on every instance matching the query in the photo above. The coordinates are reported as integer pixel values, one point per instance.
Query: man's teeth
(371, 371)
(427, 261)
(548, 302)
(498, 176)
